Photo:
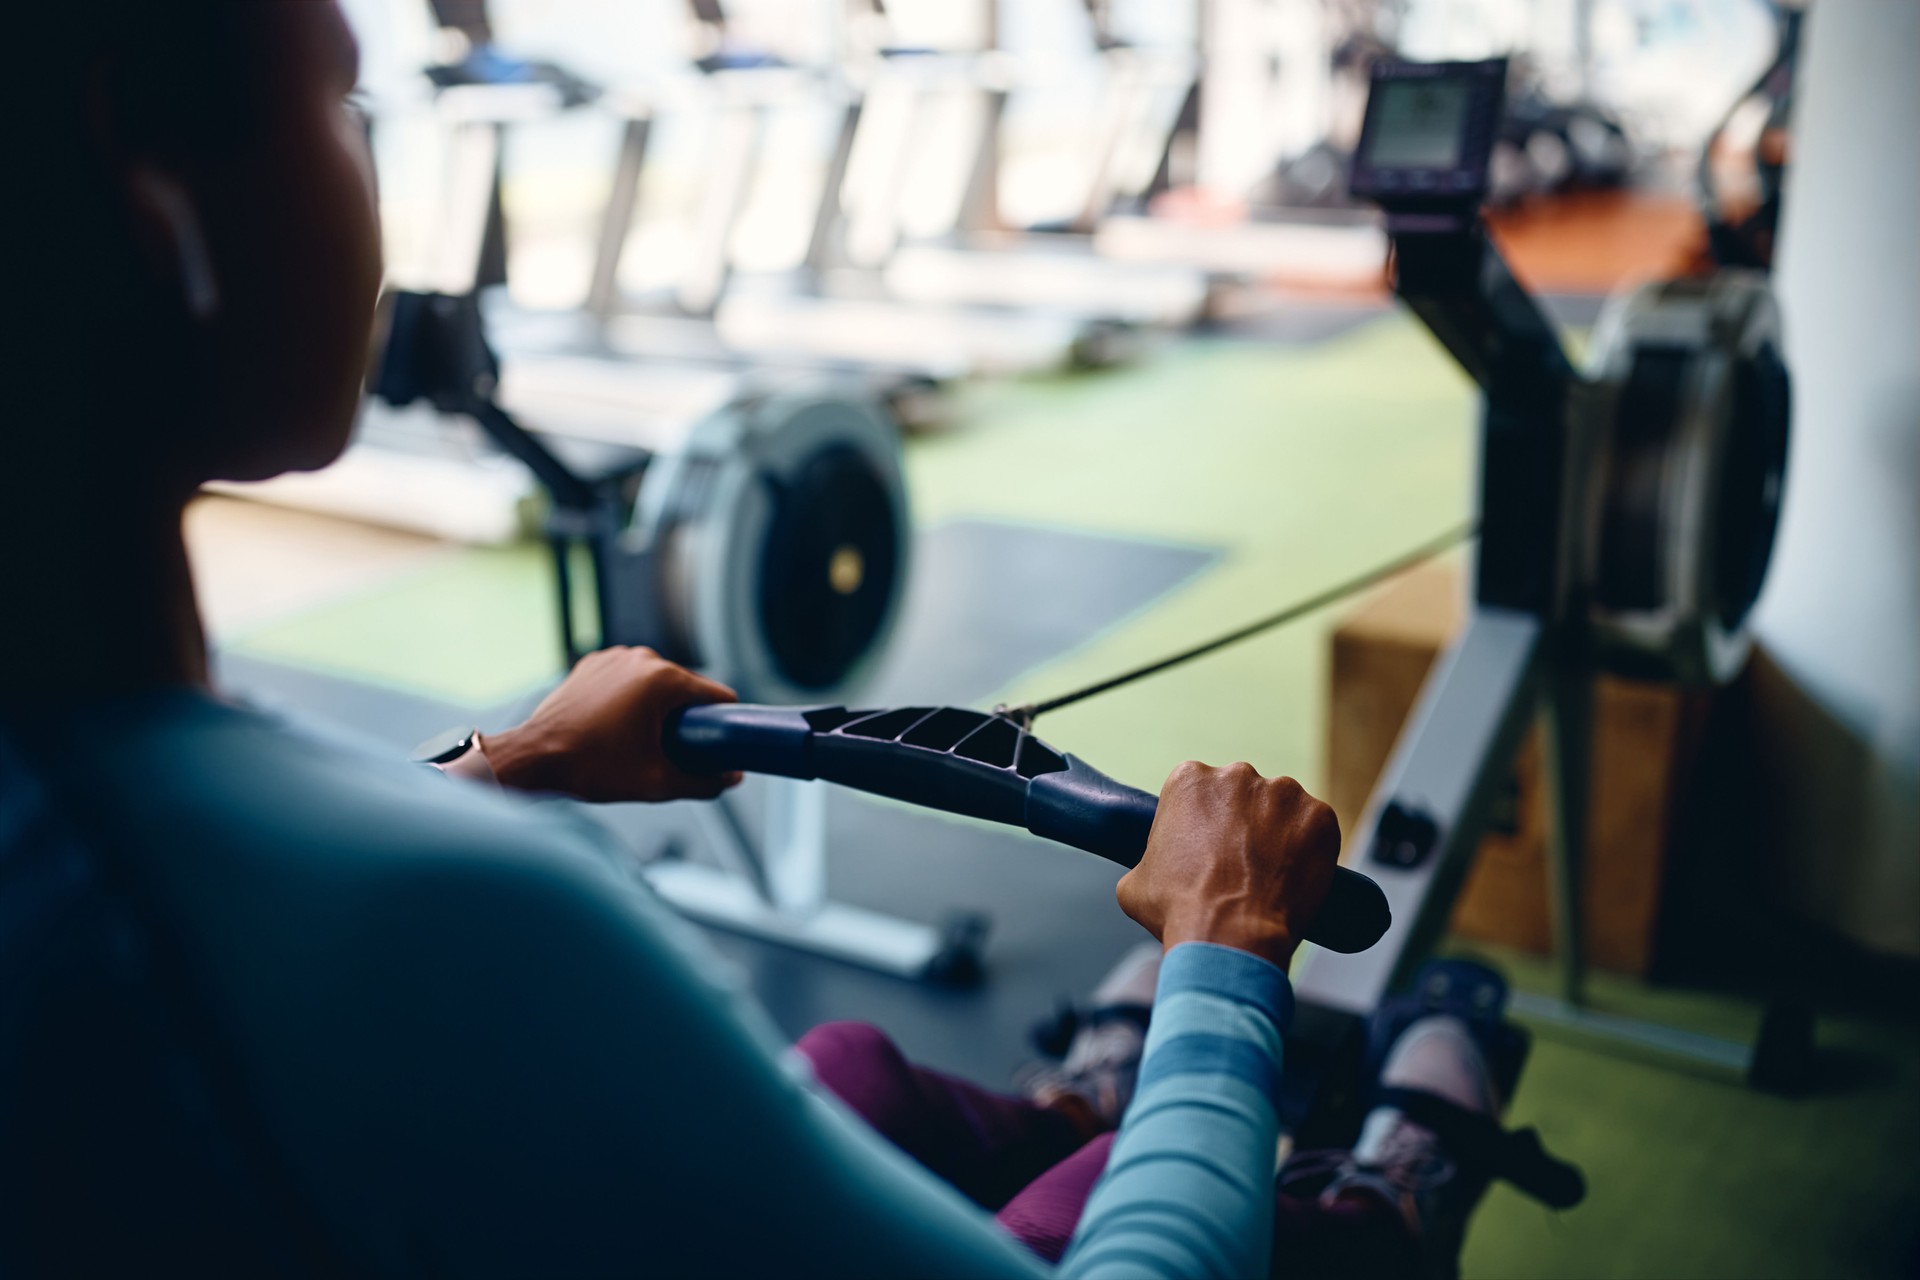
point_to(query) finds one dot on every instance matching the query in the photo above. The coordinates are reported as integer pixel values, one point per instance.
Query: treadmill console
(1429, 133)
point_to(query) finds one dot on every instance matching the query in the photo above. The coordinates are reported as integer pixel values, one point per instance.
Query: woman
(359, 1018)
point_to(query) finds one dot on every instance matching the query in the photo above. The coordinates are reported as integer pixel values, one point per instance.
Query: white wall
(1840, 696)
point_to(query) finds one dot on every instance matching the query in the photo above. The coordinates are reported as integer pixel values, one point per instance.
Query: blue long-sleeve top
(481, 1047)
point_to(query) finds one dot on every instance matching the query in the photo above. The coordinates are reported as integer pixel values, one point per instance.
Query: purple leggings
(1035, 1170)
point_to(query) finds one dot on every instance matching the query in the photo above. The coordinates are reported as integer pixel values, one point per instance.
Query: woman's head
(204, 254)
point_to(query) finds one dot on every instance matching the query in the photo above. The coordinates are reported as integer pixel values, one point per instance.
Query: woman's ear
(172, 235)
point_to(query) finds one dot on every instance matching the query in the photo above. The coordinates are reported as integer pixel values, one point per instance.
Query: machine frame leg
(1423, 823)
(1566, 722)
(775, 889)
(1503, 670)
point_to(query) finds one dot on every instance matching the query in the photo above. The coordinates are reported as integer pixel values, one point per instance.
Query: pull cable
(1027, 713)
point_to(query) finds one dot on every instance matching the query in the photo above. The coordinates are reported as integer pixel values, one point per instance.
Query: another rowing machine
(770, 549)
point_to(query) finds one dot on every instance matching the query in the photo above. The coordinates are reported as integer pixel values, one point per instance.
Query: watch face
(442, 748)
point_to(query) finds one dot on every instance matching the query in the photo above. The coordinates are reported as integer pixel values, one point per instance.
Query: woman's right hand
(1235, 859)
(598, 736)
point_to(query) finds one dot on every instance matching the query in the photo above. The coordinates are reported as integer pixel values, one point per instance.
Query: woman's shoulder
(218, 789)
(274, 844)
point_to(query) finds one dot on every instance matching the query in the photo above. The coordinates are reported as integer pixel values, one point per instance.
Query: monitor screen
(1418, 123)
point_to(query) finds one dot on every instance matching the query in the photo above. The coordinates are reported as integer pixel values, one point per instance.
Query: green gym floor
(1304, 464)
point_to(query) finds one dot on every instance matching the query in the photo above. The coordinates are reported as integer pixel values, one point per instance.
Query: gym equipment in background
(740, 92)
(1627, 520)
(737, 94)
(1261, 190)
(1548, 147)
(845, 302)
(677, 367)
(1301, 224)
(769, 550)
(432, 472)
(1743, 166)
(968, 254)
(773, 319)
(470, 58)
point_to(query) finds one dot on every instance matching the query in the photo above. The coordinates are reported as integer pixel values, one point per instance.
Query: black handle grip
(980, 765)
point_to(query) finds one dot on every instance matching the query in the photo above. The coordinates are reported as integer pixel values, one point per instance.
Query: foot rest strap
(1476, 1140)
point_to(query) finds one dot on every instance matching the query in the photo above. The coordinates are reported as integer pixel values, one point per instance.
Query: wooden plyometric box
(1647, 740)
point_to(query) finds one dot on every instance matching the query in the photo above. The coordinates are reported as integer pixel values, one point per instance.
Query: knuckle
(1186, 774)
(1321, 822)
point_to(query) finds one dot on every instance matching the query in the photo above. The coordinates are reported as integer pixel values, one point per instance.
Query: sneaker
(1404, 1163)
(1094, 1080)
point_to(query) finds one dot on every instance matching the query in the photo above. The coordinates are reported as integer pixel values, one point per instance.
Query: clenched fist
(599, 735)
(1234, 858)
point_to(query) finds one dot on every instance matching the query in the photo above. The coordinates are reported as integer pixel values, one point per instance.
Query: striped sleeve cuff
(1218, 1012)
(1231, 974)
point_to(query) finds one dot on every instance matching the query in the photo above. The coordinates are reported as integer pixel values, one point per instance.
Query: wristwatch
(447, 746)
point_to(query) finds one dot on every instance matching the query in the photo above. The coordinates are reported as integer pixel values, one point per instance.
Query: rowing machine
(770, 550)
(1627, 520)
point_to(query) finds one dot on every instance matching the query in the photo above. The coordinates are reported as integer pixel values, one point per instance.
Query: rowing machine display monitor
(1429, 133)
(976, 764)
(1627, 512)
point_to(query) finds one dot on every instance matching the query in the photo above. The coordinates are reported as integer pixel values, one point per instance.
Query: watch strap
(447, 746)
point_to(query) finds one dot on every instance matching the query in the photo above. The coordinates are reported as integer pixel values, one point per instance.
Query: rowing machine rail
(979, 765)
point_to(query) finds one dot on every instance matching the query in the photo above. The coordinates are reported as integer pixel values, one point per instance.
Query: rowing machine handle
(972, 763)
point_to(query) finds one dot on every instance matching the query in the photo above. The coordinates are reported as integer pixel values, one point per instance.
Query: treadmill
(978, 260)
(840, 303)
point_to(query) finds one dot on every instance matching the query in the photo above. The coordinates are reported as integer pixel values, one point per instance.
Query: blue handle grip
(980, 765)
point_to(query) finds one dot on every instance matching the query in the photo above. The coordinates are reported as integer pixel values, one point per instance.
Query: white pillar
(1839, 688)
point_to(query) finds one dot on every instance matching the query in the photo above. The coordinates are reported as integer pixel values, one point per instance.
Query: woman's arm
(662, 1058)
(567, 1085)
(547, 1071)
(1188, 1190)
